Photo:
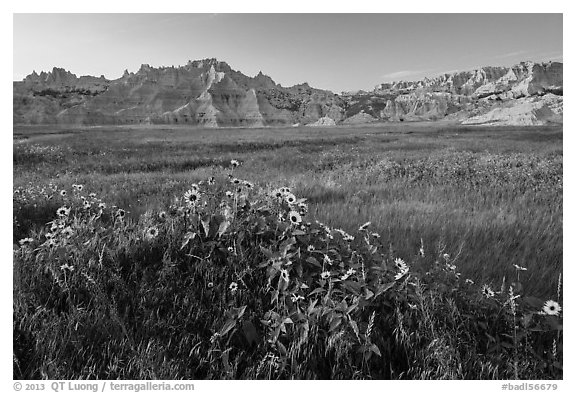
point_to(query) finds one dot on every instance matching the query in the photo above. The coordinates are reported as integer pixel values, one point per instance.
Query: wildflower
(63, 211)
(211, 181)
(551, 308)
(487, 291)
(363, 227)
(234, 163)
(294, 217)
(519, 267)
(191, 197)
(311, 248)
(290, 198)
(325, 275)
(233, 287)
(68, 232)
(63, 193)
(26, 241)
(151, 233)
(400, 264)
(468, 281)
(284, 275)
(162, 215)
(210, 285)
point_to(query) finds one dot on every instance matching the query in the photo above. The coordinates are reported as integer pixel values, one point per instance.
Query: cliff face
(205, 92)
(210, 93)
(461, 95)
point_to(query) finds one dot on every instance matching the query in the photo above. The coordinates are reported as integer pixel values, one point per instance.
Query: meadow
(448, 280)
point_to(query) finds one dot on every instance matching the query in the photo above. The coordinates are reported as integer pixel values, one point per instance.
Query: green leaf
(250, 332)
(206, 226)
(229, 325)
(375, 349)
(313, 261)
(222, 228)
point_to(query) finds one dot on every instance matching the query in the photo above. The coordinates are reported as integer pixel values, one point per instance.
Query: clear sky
(338, 52)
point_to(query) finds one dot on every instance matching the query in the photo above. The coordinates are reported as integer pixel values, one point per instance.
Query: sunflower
(487, 291)
(290, 198)
(325, 275)
(294, 217)
(468, 281)
(162, 215)
(194, 187)
(211, 181)
(79, 187)
(63, 193)
(151, 233)
(191, 197)
(26, 241)
(234, 163)
(120, 213)
(63, 211)
(233, 286)
(303, 208)
(235, 180)
(400, 264)
(102, 205)
(311, 248)
(248, 185)
(210, 285)
(229, 194)
(551, 308)
(376, 235)
(68, 232)
(519, 267)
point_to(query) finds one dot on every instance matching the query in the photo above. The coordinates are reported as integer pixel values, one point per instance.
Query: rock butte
(209, 93)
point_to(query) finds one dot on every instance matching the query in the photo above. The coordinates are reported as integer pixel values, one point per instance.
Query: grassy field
(483, 199)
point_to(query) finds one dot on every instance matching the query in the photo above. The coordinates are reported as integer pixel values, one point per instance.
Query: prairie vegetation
(144, 253)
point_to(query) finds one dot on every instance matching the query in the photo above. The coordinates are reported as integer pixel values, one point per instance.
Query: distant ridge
(209, 93)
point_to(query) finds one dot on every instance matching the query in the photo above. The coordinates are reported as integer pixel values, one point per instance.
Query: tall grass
(135, 283)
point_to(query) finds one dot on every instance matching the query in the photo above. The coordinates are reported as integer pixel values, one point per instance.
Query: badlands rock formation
(210, 93)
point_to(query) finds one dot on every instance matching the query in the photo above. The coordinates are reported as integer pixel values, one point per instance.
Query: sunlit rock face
(209, 93)
(459, 96)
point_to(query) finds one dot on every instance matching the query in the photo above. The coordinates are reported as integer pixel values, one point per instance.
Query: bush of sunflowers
(231, 281)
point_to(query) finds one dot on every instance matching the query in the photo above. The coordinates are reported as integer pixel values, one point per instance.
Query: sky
(337, 52)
